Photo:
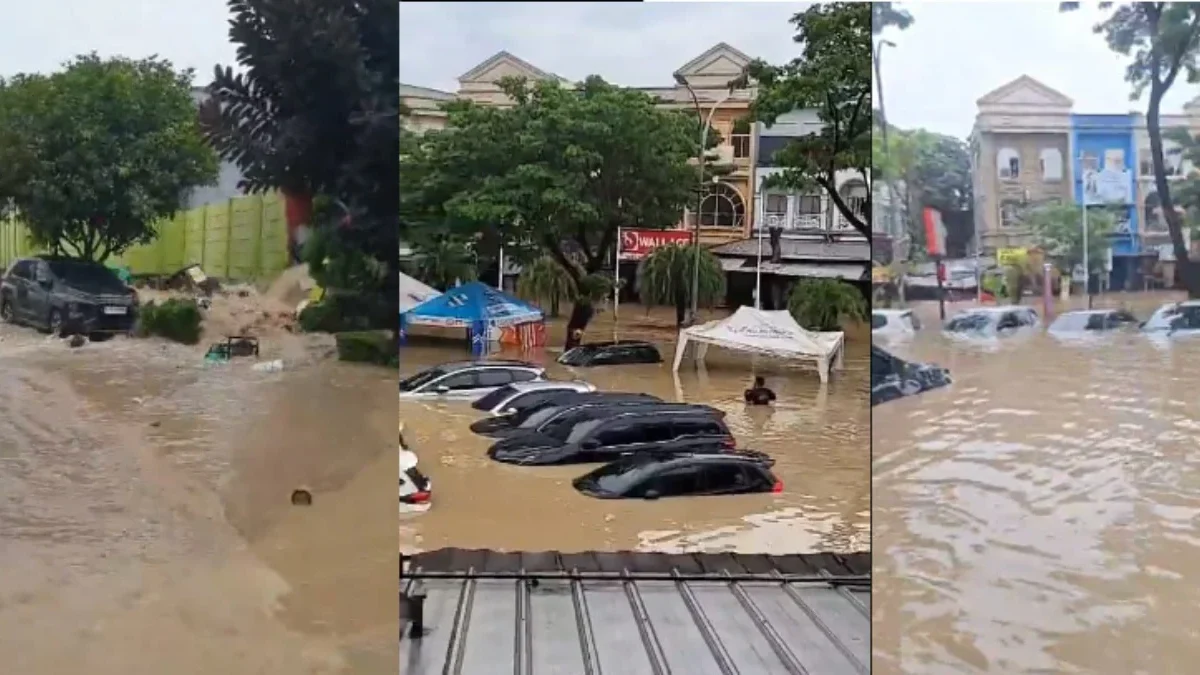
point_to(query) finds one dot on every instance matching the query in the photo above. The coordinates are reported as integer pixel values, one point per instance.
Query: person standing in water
(759, 394)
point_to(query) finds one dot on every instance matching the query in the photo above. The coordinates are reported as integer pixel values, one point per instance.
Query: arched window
(1052, 164)
(854, 193)
(722, 207)
(1008, 163)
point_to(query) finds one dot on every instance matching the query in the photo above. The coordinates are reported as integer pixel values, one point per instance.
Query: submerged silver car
(468, 380)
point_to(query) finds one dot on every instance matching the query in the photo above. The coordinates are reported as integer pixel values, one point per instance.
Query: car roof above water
(495, 363)
(542, 385)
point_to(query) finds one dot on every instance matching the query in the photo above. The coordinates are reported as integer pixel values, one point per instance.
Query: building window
(741, 146)
(1052, 164)
(809, 205)
(1010, 213)
(1008, 164)
(1089, 161)
(722, 207)
(775, 209)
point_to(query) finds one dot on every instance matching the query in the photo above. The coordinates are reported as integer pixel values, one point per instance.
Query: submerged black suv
(67, 296)
(619, 353)
(892, 377)
(529, 417)
(682, 475)
(661, 430)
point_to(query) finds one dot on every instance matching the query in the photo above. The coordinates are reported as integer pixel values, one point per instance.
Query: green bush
(368, 347)
(175, 319)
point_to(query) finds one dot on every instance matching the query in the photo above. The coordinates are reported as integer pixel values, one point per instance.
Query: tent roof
(767, 332)
(413, 292)
(471, 303)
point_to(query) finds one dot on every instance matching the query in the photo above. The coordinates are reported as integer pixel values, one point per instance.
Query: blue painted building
(1105, 169)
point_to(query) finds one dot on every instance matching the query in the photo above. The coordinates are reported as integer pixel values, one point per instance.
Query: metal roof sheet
(715, 619)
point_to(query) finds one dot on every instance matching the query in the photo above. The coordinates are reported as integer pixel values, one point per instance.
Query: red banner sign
(637, 244)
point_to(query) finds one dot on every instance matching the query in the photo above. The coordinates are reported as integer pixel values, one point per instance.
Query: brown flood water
(1040, 515)
(817, 435)
(145, 521)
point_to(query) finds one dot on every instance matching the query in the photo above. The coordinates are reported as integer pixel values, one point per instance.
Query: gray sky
(39, 36)
(629, 44)
(955, 53)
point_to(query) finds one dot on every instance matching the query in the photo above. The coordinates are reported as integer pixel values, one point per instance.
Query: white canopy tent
(770, 333)
(413, 293)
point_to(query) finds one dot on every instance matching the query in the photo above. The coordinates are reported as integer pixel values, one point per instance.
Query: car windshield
(878, 321)
(619, 477)
(1163, 318)
(421, 379)
(969, 323)
(495, 398)
(88, 276)
(1077, 321)
(418, 479)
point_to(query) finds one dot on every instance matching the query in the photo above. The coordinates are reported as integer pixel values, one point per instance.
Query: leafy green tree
(822, 304)
(887, 14)
(665, 278)
(546, 281)
(556, 174)
(1058, 230)
(96, 154)
(314, 111)
(1162, 39)
(443, 263)
(833, 76)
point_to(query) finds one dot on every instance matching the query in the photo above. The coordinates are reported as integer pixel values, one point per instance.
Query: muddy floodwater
(1040, 515)
(817, 435)
(145, 521)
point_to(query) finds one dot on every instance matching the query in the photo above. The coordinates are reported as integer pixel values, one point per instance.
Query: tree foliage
(315, 111)
(94, 155)
(833, 76)
(545, 280)
(887, 14)
(822, 304)
(935, 170)
(556, 173)
(665, 278)
(1161, 39)
(1058, 230)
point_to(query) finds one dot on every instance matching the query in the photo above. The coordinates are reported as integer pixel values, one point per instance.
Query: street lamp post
(883, 127)
(682, 81)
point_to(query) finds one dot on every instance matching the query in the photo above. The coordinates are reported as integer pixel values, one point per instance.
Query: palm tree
(546, 280)
(442, 263)
(665, 278)
(821, 304)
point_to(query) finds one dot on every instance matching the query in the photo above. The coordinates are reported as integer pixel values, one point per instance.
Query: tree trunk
(680, 309)
(581, 314)
(554, 307)
(1188, 274)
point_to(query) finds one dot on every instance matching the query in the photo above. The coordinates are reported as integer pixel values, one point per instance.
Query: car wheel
(6, 311)
(55, 323)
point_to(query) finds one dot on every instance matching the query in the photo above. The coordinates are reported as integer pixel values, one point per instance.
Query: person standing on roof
(759, 394)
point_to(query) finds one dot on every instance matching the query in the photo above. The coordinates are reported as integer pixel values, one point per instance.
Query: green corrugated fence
(244, 238)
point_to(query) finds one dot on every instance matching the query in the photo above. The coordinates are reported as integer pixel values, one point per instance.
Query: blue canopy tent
(474, 306)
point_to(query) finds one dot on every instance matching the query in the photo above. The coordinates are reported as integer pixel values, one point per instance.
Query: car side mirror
(590, 444)
(509, 411)
(651, 495)
(442, 389)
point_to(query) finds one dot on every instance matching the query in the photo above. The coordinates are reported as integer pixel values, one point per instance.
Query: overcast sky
(955, 53)
(629, 44)
(39, 36)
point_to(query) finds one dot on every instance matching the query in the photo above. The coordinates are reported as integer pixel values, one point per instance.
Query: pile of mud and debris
(268, 314)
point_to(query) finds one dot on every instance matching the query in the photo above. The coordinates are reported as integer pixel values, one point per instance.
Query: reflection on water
(1040, 514)
(818, 437)
(145, 524)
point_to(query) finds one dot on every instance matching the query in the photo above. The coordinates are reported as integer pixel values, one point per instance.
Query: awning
(848, 272)
(731, 264)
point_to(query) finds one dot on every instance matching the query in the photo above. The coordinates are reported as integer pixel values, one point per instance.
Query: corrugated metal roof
(715, 619)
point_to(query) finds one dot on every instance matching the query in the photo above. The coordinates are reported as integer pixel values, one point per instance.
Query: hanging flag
(935, 233)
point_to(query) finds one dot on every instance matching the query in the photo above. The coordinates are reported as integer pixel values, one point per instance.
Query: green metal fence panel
(245, 234)
(244, 238)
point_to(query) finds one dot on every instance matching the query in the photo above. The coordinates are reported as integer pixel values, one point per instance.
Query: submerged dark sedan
(893, 377)
(530, 417)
